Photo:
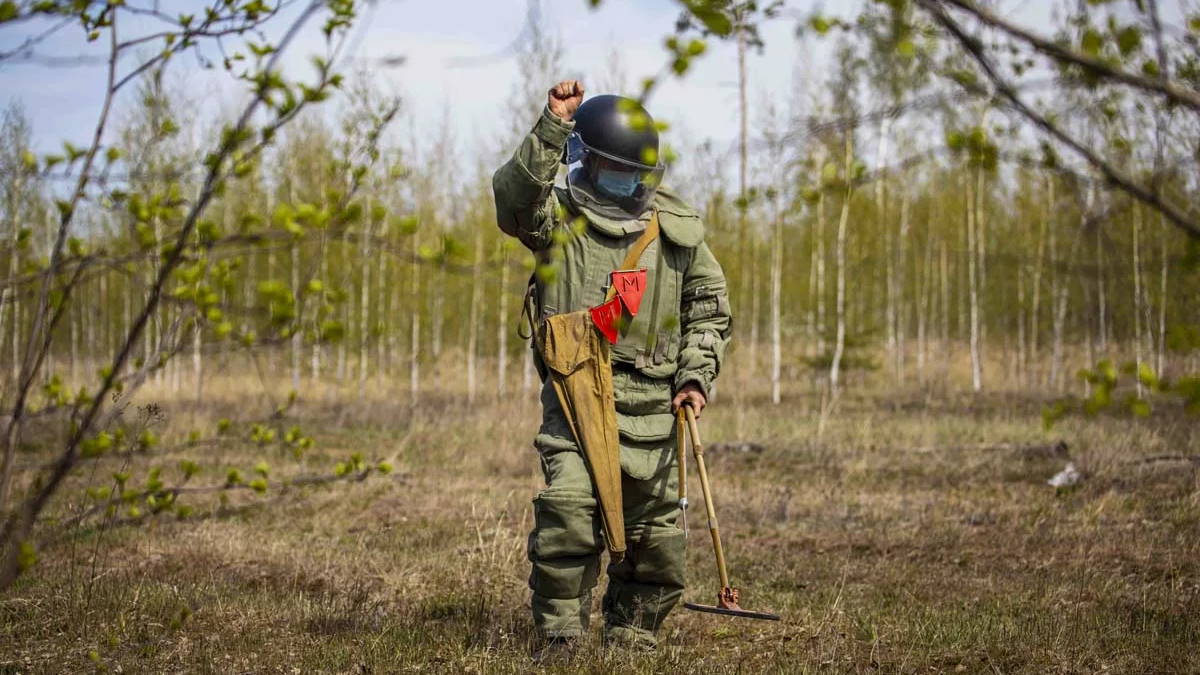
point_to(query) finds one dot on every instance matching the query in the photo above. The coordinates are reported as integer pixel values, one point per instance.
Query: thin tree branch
(1172, 91)
(1114, 175)
(31, 359)
(18, 525)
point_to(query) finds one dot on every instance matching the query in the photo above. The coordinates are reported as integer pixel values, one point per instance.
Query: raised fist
(564, 98)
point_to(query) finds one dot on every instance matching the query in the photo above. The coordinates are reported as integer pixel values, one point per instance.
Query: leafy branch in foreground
(239, 143)
(1133, 389)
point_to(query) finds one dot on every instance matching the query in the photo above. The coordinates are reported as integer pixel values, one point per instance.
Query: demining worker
(629, 317)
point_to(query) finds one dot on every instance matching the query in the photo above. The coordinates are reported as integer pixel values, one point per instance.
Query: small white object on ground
(1067, 477)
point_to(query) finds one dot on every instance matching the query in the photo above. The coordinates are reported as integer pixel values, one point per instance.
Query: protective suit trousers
(566, 543)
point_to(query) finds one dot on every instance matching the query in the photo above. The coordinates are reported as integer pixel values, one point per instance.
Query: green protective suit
(677, 337)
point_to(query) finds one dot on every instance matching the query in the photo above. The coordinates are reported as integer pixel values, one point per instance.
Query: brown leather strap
(639, 247)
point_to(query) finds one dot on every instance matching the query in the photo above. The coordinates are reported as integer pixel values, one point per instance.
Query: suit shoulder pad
(680, 223)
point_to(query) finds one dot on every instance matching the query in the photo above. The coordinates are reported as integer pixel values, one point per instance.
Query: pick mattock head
(727, 604)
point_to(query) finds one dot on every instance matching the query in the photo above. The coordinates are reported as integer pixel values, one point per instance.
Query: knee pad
(655, 558)
(565, 524)
(564, 546)
(644, 587)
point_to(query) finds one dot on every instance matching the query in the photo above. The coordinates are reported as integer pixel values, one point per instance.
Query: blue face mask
(617, 183)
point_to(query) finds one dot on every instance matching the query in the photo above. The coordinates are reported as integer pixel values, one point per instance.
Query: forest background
(962, 246)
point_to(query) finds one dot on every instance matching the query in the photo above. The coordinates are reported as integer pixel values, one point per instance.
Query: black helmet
(620, 130)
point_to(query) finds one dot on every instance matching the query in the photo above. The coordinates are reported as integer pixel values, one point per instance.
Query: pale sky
(456, 66)
(457, 69)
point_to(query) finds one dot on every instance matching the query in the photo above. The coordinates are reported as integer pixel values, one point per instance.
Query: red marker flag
(605, 317)
(630, 286)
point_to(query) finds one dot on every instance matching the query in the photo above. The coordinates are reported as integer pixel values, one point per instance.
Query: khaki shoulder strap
(635, 252)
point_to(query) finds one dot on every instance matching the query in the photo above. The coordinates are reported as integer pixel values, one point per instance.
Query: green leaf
(1146, 375)
(1091, 42)
(1107, 371)
(829, 173)
(8, 11)
(26, 556)
(148, 439)
(1129, 39)
(713, 19)
(332, 331)
(94, 447)
(189, 468)
(1139, 407)
(65, 208)
(1053, 413)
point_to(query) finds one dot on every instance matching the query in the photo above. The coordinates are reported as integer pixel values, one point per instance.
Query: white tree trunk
(364, 311)
(813, 298)
(198, 362)
(1035, 309)
(973, 286)
(502, 324)
(414, 356)
(436, 320)
(473, 316)
(296, 344)
(1022, 352)
(889, 246)
(899, 315)
(1138, 298)
(924, 293)
(843, 221)
(384, 323)
(776, 306)
(1160, 356)
(822, 323)
(944, 283)
(1101, 297)
(1061, 294)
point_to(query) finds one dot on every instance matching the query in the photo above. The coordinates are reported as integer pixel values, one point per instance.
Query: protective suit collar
(680, 223)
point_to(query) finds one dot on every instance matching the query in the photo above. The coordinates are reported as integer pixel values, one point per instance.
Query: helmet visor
(610, 186)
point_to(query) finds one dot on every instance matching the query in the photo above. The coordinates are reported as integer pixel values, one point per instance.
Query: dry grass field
(914, 533)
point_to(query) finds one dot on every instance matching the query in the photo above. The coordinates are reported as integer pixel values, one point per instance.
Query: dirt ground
(908, 533)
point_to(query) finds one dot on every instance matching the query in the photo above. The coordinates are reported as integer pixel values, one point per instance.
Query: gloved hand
(691, 394)
(564, 99)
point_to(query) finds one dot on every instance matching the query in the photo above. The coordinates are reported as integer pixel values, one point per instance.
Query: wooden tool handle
(681, 454)
(706, 490)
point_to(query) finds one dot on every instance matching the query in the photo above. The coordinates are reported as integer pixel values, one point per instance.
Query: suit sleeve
(706, 321)
(526, 206)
